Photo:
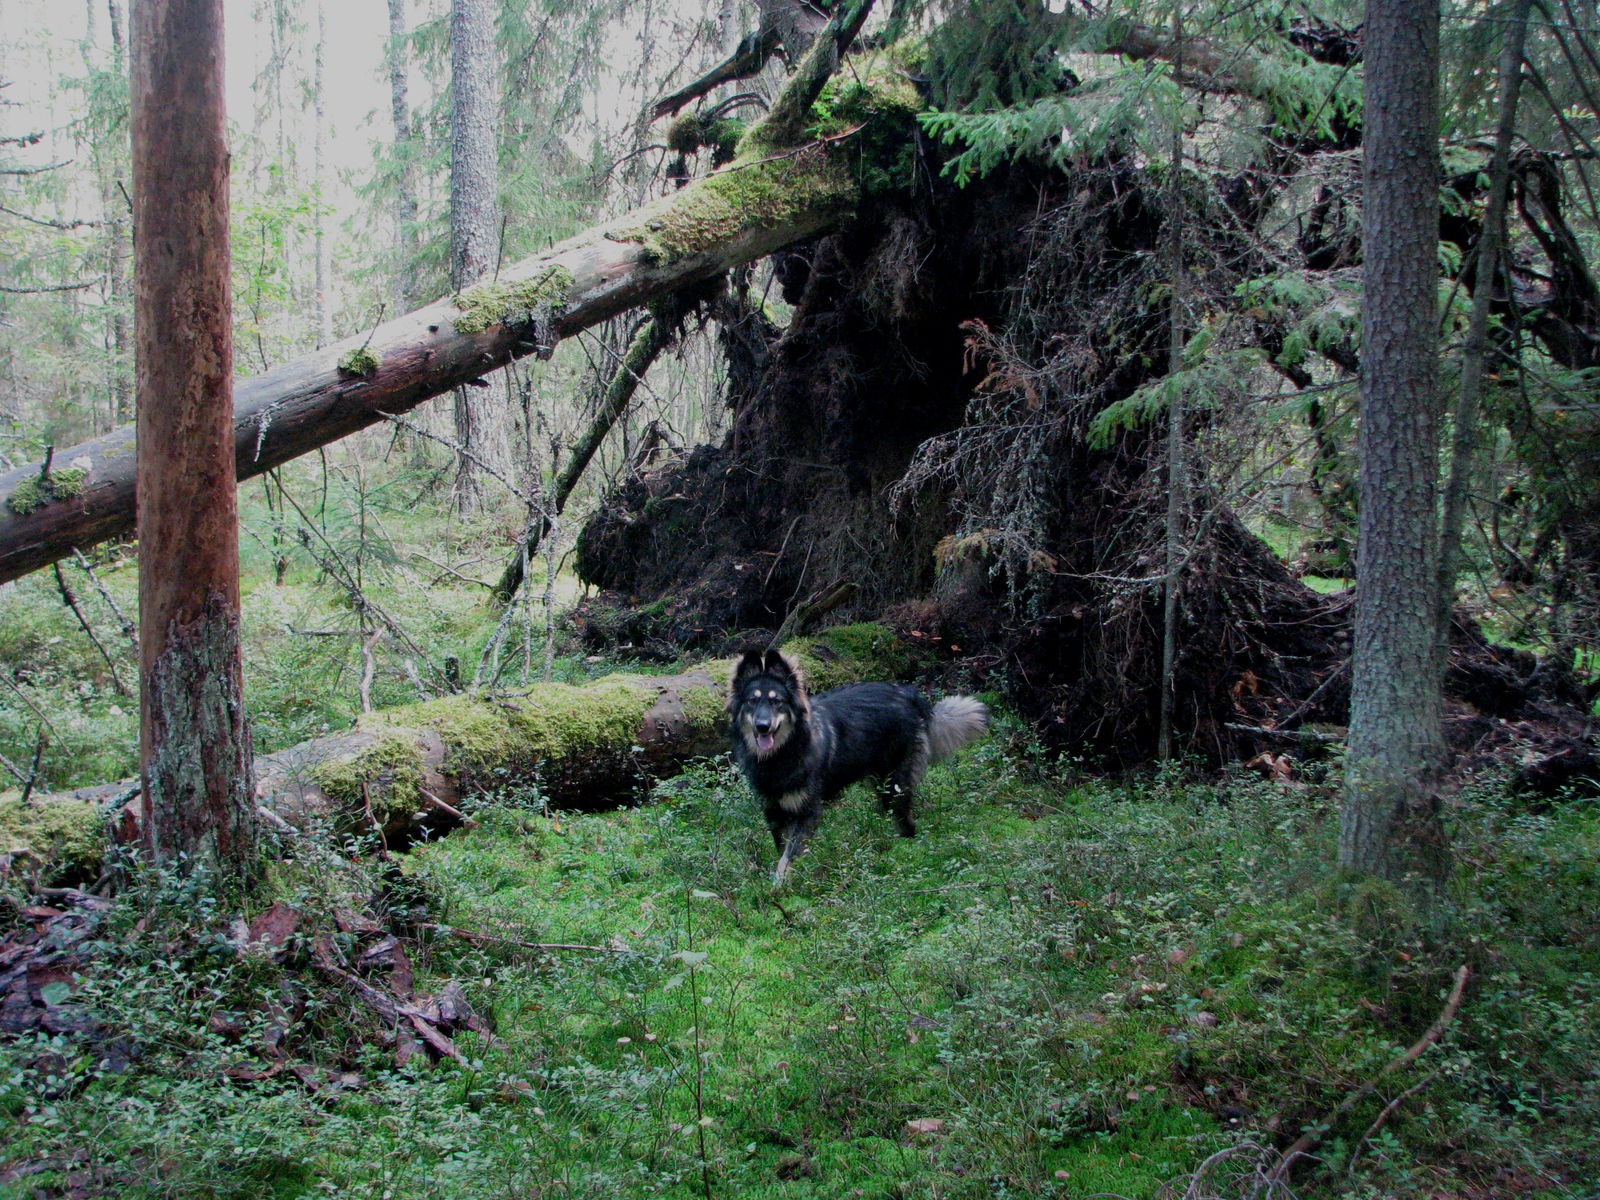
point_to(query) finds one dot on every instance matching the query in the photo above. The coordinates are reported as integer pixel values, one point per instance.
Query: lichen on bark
(199, 799)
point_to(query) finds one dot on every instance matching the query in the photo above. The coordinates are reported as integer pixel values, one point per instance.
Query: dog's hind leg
(898, 792)
(896, 799)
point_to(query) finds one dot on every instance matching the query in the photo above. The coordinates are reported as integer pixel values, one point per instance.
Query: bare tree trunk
(405, 203)
(324, 279)
(121, 256)
(475, 236)
(1390, 824)
(198, 805)
(1177, 481)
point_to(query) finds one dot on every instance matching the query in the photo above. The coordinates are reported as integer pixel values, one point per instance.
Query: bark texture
(324, 243)
(480, 411)
(1390, 825)
(195, 745)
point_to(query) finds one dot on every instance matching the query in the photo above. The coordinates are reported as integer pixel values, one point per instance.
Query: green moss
(723, 136)
(517, 301)
(552, 721)
(39, 490)
(859, 135)
(60, 836)
(754, 190)
(557, 720)
(390, 770)
(361, 361)
(707, 708)
(690, 135)
(848, 653)
(686, 134)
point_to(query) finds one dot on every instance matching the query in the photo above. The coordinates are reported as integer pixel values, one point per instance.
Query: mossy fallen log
(403, 770)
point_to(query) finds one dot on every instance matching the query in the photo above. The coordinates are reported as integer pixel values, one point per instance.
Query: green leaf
(55, 993)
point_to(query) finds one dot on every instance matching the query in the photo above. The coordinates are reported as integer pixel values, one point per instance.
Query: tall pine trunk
(1390, 824)
(324, 244)
(475, 238)
(195, 754)
(120, 254)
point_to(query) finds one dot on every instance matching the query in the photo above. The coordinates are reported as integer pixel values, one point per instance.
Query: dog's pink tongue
(764, 742)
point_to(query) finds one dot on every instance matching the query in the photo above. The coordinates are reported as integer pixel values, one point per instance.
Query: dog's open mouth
(764, 743)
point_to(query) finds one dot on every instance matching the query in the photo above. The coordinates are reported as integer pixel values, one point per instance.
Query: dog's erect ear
(781, 666)
(749, 664)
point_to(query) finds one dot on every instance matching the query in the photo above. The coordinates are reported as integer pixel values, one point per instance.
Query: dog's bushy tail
(956, 721)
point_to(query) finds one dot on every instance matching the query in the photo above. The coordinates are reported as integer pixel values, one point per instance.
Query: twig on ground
(466, 821)
(1312, 1136)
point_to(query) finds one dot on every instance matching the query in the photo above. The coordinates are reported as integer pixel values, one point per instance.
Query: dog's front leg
(794, 841)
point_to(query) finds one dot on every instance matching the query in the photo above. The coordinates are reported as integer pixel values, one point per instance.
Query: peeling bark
(197, 776)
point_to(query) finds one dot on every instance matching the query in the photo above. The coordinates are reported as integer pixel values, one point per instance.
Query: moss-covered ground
(1062, 988)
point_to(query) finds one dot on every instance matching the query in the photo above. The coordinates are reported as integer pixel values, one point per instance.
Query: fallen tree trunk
(335, 392)
(781, 188)
(406, 769)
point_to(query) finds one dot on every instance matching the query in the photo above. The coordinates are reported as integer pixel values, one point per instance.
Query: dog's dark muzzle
(764, 723)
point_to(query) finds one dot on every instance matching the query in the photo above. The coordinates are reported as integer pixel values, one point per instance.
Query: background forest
(1046, 387)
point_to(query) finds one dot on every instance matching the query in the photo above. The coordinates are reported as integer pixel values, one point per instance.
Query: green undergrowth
(1061, 988)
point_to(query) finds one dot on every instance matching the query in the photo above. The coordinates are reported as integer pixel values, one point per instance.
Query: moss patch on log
(550, 723)
(361, 362)
(55, 836)
(765, 191)
(40, 490)
(850, 654)
(707, 708)
(389, 772)
(876, 104)
(514, 302)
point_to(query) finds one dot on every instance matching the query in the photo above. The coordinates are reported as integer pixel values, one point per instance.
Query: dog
(799, 751)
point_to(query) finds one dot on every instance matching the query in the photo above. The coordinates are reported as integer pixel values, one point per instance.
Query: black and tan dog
(799, 752)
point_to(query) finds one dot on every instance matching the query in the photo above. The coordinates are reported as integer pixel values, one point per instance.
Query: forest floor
(1067, 985)
(1064, 987)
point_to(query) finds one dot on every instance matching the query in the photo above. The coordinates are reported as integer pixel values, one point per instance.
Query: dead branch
(71, 602)
(1302, 1145)
(129, 629)
(750, 56)
(642, 351)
